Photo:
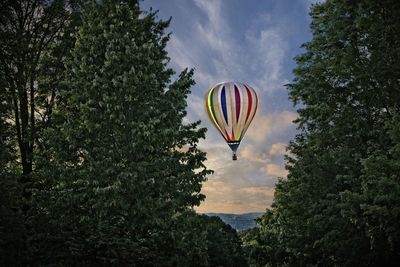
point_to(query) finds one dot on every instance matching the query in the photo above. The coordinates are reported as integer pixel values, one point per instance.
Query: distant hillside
(238, 221)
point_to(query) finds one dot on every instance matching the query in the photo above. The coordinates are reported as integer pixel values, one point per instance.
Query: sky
(252, 42)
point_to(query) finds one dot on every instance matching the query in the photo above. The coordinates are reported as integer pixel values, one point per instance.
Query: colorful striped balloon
(231, 107)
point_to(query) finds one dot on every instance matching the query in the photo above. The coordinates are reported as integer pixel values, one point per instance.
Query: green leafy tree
(30, 33)
(119, 169)
(259, 246)
(28, 30)
(337, 205)
(376, 206)
(205, 241)
(11, 221)
(223, 243)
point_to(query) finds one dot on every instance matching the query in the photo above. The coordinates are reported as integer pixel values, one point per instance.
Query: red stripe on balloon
(227, 136)
(250, 100)
(237, 100)
(256, 99)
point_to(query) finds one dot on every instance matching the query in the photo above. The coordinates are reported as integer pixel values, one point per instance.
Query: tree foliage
(29, 29)
(11, 230)
(339, 203)
(30, 32)
(224, 247)
(119, 169)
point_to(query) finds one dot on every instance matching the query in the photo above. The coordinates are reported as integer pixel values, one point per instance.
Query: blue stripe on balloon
(223, 103)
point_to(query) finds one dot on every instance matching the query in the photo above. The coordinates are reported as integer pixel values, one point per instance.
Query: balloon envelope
(231, 107)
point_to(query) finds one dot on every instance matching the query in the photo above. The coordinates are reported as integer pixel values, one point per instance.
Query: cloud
(274, 170)
(215, 32)
(278, 149)
(270, 47)
(248, 183)
(250, 153)
(228, 199)
(216, 187)
(244, 185)
(264, 190)
(180, 55)
(236, 207)
(197, 106)
(267, 125)
(220, 53)
(213, 10)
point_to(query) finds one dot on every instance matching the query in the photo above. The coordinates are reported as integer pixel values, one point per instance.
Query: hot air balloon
(231, 107)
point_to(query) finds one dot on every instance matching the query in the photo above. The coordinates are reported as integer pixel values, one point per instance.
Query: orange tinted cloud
(274, 170)
(278, 149)
(239, 200)
(265, 125)
(249, 153)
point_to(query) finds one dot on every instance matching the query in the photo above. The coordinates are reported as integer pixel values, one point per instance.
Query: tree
(28, 29)
(119, 169)
(205, 241)
(35, 37)
(223, 243)
(377, 205)
(262, 248)
(11, 229)
(335, 208)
